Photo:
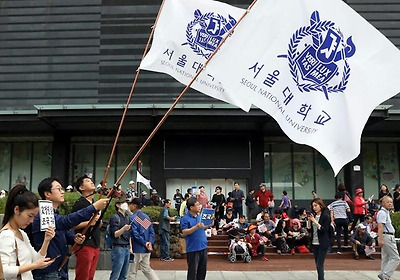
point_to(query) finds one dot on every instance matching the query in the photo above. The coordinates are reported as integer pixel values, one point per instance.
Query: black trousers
(197, 265)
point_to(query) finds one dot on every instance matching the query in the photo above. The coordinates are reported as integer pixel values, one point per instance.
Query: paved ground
(278, 269)
(259, 275)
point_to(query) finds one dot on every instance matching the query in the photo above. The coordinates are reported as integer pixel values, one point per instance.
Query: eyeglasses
(60, 189)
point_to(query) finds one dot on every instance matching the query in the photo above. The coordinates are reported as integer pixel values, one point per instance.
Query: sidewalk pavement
(256, 275)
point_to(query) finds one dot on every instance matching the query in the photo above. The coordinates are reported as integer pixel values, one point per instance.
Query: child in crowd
(255, 243)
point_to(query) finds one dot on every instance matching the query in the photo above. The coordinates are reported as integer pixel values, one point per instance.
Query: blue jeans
(49, 276)
(319, 257)
(164, 244)
(119, 263)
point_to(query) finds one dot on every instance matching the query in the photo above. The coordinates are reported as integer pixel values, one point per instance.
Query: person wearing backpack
(120, 233)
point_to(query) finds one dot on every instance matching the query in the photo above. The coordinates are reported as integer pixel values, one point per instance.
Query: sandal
(264, 258)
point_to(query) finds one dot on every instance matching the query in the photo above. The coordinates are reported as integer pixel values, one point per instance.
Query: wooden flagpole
(71, 251)
(180, 97)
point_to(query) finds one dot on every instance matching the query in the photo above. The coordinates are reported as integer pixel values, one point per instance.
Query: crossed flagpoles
(161, 122)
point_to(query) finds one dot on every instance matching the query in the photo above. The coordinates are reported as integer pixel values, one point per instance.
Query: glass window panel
(389, 164)
(209, 185)
(281, 171)
(5, 155)
(303, 172)
(324, 178)
(267, 164)
(370, 163)
(83, 160)
(124, 157)
(21, 164)
(102, 158)
(41, 163)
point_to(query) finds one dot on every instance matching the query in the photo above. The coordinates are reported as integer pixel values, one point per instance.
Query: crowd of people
(42, 256)
(362, 223)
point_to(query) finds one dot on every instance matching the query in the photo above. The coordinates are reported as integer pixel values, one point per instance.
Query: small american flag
(142, 220)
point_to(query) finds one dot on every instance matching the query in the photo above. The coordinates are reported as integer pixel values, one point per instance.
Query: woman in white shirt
(18, 257)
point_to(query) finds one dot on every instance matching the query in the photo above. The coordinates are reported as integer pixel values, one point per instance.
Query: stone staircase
(218, 249)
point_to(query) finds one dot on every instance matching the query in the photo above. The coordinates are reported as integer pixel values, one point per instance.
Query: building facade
(66, 70)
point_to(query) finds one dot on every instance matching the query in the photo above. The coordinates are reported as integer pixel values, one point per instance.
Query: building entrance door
(209, 184)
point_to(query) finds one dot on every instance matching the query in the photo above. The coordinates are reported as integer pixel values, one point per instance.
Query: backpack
(109, 238)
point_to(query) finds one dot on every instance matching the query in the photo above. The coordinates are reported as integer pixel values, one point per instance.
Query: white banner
(141, 179)
(46, 215)
(187, 33)
(317, 67)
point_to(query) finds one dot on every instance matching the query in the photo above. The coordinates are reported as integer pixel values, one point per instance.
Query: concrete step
(297, 256)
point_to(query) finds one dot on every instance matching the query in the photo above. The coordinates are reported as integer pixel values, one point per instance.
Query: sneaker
(340, 253)
(356, 256)
(264, 258)
(380, 276)
(167, 259)
(279, 251)
(370, 257)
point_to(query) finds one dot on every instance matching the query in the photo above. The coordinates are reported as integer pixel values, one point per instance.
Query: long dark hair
(279, 227)
(21, 197)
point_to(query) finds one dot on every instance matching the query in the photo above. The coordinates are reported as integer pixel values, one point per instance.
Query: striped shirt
(339, 208)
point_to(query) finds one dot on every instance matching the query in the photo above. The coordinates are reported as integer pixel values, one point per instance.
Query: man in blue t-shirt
(196, 241)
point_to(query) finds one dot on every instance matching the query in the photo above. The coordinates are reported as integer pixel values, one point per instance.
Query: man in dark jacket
(251, 205)
(142, 241)
(164, 230)
(120, 232)
(362, 242)
(237, 198)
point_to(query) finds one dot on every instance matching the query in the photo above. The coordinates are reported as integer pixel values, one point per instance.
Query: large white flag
(187, 33)
(317, 67)
(140, 178)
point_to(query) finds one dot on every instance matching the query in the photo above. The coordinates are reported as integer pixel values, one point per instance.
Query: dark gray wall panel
(49, 52)
(52, 52)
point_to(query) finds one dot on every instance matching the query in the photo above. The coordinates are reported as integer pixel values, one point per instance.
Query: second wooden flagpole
(180, 97)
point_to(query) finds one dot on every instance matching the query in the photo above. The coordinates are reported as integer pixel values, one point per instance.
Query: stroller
(237, 246)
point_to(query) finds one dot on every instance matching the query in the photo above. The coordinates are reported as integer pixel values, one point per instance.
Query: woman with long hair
(319, 225)
(281, 235)
(18, 257)
(384, 191)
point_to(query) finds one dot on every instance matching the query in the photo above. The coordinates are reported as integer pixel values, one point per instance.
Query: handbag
(271, 203)
(1, 270)
(16, 256)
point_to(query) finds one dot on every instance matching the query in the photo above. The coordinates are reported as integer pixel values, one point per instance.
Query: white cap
(131, 182)
(69, 187)
(362, 226)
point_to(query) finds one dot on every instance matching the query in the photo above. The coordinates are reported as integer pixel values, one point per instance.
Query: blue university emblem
(204, 33)
(318, 56)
